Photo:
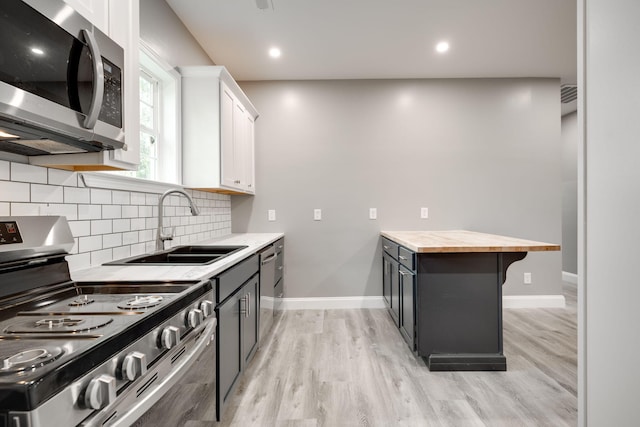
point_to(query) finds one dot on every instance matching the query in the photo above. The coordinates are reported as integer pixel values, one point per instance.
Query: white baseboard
(533, 301)
(570, 277)
(328, 303)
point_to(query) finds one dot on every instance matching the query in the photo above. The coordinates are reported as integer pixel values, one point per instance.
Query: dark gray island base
(447, 300)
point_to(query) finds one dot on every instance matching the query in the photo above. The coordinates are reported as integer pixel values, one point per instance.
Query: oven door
(190, 395)
(59, 93)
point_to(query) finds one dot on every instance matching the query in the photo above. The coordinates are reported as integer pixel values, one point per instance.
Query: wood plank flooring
(352, 368)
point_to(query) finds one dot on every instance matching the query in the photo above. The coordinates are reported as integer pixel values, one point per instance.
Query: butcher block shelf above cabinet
(217, 132)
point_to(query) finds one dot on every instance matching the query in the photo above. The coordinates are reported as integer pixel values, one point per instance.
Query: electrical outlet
(527, 278)
(424, 213)
(373, 213)
(271, 213)
(317, 214)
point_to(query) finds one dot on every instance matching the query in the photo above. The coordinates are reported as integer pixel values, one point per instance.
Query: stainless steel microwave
(61, 88)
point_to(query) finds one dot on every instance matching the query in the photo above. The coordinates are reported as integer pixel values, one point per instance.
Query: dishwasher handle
(269, 259)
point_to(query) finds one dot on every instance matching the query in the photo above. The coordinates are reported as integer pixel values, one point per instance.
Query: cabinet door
(228, 348)
(248, 154)
(227, 165)
(407, 304)
(386, 279)
(96, 11)
(251, 295)
(394, 289)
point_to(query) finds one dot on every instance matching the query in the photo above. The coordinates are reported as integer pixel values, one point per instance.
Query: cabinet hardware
(386, 247)
(249, 304)
(402, 273)
(402, 258)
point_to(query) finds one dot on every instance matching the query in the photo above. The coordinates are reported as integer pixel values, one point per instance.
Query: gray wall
(609, 182)
(161, 29)
(570, 193)
(482, 155)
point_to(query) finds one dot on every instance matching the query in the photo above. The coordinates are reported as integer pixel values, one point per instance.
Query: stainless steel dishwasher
(267, 281)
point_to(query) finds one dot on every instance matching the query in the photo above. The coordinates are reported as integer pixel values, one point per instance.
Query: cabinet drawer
(389, 247)
(235, 277)
(406, 257)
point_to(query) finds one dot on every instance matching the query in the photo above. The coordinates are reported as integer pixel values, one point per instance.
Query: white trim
(327, 303)
(533, 301)
(570, 277)
(126, 183)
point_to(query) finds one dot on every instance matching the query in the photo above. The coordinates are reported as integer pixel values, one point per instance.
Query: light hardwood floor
(352, 368)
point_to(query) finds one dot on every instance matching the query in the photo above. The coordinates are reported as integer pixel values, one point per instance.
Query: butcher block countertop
(448, 241)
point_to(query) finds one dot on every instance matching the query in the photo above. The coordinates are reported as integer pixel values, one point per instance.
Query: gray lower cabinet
(407, 305)
(237, 330)
(399, 288)
(390, 286)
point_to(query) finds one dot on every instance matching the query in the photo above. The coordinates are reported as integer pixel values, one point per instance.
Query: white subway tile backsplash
(5, 168)
(14, 191)
(89, 211)
(89, 243)
(80, 228)
(145, 211)
(130, 238)
(130, 211)
(108, 224)
(46, 193)
(138, 223)
(100, 257)
(77, 195)
(121, 198)
(111, 211)
(100, 197)
(121, 252)
(62, 177)
(79, 261)
(112, 240)
(70, 211)
(28, 173)
(26, 209)
(101, 226)
(138, 198)
(120, 225)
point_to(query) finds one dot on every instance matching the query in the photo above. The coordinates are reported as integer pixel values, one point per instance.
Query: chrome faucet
(160, 236)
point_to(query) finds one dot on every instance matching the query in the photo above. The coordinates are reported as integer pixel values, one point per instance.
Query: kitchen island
(444, 291)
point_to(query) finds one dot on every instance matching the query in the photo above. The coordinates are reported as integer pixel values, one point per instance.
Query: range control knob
(170, 337)
(207, 308)
(100, 392)
(134, 365)
(194, 318)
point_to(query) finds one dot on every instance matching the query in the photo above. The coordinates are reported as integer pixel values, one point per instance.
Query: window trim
(171, 133)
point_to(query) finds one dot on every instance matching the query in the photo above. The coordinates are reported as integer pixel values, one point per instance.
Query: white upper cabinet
(120, 20)
(218, 132)
(96, 11)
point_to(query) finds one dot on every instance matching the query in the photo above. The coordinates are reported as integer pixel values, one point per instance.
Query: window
(160, 139)
(149, 131)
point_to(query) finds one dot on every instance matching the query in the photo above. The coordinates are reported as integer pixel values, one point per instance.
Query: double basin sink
(182, 255)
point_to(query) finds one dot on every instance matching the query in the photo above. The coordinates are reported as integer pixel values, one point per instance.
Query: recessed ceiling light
(274, 52)
(442, 47)
(37, 51)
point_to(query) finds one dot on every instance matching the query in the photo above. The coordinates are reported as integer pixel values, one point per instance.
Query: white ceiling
(379, 39)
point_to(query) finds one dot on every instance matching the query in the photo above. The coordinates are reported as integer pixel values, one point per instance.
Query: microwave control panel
(111, 111)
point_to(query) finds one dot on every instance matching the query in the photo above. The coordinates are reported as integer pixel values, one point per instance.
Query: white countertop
(115, 273)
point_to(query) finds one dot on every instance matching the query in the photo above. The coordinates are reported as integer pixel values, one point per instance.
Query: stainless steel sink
(182, 255)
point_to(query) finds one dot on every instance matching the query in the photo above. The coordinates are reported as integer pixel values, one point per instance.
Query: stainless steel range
(87, 354)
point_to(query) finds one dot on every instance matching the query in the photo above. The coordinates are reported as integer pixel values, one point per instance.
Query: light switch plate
(424, 213)
(271, 214)
(373, 213)
(527, 278)
(317, 214)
